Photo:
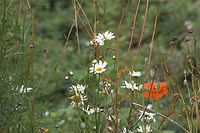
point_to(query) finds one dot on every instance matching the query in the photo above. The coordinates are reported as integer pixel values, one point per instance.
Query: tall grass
(17, 45)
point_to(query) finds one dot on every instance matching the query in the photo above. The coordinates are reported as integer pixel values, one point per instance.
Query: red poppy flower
(155, 92)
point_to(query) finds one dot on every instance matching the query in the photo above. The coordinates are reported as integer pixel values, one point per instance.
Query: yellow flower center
(99, 69)
(46, 130)
(104, 37)
(76, 99)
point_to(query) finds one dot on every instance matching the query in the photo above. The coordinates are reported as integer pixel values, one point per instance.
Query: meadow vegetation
(84, 66)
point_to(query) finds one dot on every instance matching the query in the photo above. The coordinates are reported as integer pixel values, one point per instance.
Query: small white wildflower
(98, 67)
(78, 99)
(94, 61)
(71, 73)
(128, 85)
(135, 73)
(28, 89)
(97, 42)
(24, 90)
(101, 37)
(138, 87)
(78, 89)
(126, 131)
(144, 129)
(113, 57)
(149, 106)
(46, 113)
(148, 116)
(131, 86)
(90, 110)
(108, 35)
(66, 77)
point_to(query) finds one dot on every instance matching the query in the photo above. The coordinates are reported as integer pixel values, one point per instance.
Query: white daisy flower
(78, 99)
(144, 129)
(108, 35)
(104, 36)
(24, 90)
(101, 37)
(135, 73)
(105, 85)
(126, 131)
(146, 115)
(98, 68)
(97, 42)
(90, 110)
(138, 87)
(131, 86)
(78, 89)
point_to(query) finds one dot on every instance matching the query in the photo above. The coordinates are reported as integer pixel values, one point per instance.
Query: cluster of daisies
(132, 85)
(80, 97)
(23, 89)
(145, 117)
(79, 94)
(101, 38)
(98, 67)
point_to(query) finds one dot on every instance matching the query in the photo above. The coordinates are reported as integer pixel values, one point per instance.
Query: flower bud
(71, 73)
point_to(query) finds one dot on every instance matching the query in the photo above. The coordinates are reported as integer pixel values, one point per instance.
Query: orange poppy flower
(152, 90)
